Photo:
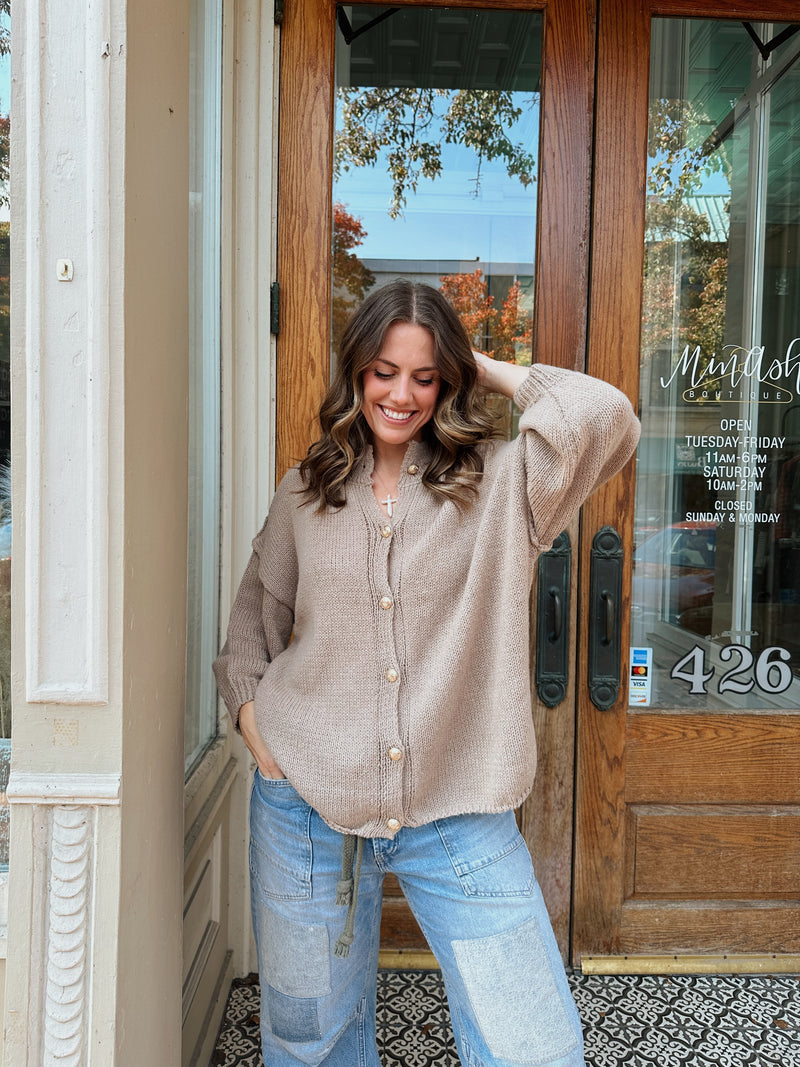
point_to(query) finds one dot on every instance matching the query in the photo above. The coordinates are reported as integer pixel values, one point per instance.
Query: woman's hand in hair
(252, 738)
(496, 376)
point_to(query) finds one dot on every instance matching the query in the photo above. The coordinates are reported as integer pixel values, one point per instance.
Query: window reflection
(717, 555)
(204, 377)
(436, 149)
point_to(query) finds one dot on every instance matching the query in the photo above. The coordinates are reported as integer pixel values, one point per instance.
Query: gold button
(413, 469)
(395, 753)
(386, 602)
(392, 675)
(386, 531)
(392, 824)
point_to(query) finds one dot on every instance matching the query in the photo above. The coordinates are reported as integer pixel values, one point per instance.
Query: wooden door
(688, 789)
(466, 42)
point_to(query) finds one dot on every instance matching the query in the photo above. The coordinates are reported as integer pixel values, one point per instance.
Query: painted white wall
(155, 514)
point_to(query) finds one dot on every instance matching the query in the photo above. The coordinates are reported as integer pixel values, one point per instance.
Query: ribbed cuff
(541, 378)
(234, 695)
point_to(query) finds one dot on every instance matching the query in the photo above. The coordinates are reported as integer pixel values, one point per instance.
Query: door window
(435, 163)
(716, 576)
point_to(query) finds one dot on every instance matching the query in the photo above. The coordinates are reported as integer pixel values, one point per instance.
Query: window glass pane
(5, 428)
(204, 375)
(436, 161)
(716, 585)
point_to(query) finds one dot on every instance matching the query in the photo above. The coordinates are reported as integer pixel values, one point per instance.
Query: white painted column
(68, 265)
(67, 269)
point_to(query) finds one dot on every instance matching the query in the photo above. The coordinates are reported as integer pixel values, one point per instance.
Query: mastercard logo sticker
(641, 671)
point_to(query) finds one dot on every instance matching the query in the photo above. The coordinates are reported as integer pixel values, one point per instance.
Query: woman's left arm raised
(576, 432)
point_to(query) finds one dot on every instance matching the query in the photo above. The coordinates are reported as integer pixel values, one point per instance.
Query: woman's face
(400, 387)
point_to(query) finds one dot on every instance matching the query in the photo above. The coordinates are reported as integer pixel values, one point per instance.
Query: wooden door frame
(305, 200)
(618, 227)
(561, 293)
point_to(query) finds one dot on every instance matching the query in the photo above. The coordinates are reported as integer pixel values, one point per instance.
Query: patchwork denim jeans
(469, 881)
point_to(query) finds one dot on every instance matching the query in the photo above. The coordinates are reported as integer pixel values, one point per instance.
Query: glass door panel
(716, 580)
(436, 148)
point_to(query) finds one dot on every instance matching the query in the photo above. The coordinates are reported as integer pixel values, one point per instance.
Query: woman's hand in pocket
(252, 738)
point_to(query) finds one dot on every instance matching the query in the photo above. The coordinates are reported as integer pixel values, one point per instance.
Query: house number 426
(772, 672)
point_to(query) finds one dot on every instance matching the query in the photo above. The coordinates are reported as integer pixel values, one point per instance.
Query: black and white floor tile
(642, 1021)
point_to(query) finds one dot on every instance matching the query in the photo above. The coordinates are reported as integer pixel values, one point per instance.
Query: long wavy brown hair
(461, 420)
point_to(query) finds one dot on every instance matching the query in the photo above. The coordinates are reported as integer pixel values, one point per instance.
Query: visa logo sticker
(640, 677)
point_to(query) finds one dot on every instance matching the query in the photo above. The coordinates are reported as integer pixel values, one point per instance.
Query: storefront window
(436, 162)
(716, 580)
(204, 376)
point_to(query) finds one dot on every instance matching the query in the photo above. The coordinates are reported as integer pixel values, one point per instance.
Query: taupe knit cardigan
(404, 693)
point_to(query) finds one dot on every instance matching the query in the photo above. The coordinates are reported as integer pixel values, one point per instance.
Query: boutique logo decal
(740, 374)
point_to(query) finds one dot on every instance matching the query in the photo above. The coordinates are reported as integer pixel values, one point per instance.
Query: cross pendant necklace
(390, 500)
(388, 503)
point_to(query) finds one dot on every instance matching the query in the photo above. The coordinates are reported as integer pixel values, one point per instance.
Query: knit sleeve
(262, 616)
(576, 432)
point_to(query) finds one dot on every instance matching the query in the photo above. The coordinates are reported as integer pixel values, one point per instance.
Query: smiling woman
(400, 390)
(457, 418)
(377, 663)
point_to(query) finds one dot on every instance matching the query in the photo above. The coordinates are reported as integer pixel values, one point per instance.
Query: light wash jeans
(470, 883)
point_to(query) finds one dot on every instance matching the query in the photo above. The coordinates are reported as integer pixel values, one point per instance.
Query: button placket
(386, 618)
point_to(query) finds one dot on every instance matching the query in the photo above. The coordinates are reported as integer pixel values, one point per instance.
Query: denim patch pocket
(296, 956)
(518, 1003)
(280, 840)
(488, 854)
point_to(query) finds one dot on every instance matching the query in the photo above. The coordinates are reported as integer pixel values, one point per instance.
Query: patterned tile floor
(643, 1021)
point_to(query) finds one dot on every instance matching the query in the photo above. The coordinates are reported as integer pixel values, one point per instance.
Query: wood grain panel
(399, 928)
(623, 54)
(563, 217)
(736, 759)
(716, 857)
(777, 10)
(304, 224)
(563, 225)
(714, 928)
